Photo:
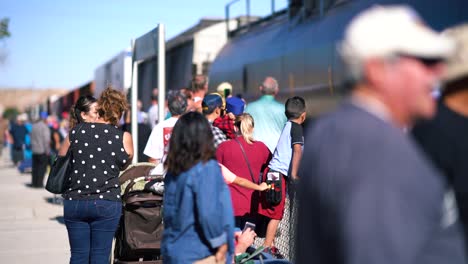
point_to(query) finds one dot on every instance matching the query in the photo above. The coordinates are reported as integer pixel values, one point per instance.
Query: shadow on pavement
(7, 166)
(58, 200)
(59, 219)
(29, 185)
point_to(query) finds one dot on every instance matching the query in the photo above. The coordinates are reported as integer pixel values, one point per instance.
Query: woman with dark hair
(92, 203)
(85, 110)
(198, 219)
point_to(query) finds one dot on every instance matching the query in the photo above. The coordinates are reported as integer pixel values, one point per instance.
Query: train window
(303, 8)
(206, 67)
(194, 69)
(327, 4)
(310, 7)
(294, 7)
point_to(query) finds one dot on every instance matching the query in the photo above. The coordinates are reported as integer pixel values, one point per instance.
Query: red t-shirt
(230, 155)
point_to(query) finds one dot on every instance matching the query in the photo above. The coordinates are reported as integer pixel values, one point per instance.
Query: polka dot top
(98, 156)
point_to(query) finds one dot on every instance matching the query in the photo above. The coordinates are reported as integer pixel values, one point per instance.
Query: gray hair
(353, 64)
(270, 86)
(177, 102)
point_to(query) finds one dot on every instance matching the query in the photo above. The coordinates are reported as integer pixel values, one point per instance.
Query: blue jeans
(91, 225)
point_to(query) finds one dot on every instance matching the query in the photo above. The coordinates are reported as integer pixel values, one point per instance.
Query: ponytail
(245, 124)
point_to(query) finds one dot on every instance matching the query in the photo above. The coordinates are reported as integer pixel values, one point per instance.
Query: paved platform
(31, 225)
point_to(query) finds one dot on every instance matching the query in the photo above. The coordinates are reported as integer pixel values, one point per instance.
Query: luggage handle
(135, 199)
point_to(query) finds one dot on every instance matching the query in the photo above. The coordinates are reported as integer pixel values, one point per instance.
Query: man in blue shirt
(268, 114)
(18, 134)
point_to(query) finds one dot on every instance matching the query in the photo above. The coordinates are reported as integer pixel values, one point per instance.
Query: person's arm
(64, 147)
(220, 254)
(57, 140)
(244, 240)
(296, 160)
(297, 141)
(8, 137)
(209, 207)
(231, 178)
(250, 185)
(153, 160)
(128, 146)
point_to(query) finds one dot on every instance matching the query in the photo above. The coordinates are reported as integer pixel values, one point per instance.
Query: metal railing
(248, 18)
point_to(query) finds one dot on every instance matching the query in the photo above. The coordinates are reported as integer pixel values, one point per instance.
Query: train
(298, 46)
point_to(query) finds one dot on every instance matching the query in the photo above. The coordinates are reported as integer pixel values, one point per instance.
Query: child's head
(296, 109)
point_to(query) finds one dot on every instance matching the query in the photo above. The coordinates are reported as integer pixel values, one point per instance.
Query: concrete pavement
(31, 226)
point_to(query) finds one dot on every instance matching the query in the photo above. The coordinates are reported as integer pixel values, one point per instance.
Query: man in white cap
(368, 194)
(445, 138)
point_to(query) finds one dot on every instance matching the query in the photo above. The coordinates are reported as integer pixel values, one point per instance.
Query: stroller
(139, 235)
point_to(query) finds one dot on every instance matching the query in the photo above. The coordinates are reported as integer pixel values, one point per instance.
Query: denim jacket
(198, 216)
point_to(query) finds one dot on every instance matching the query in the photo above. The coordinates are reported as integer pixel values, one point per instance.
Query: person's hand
(263, 186)
(220, 255)
(244, 240)
(231, 116)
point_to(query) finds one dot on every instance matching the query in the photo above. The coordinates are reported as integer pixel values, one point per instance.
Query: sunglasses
(428, 62)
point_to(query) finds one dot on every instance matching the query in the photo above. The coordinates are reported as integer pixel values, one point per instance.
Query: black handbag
(56, 182)
(274, 194)
(59, 171)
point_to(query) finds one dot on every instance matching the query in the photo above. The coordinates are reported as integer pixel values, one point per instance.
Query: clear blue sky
(59, 43)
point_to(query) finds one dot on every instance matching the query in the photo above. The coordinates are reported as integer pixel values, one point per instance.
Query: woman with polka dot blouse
(92, 203)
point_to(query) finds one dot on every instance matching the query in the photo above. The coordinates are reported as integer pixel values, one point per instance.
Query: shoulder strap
(246, 159)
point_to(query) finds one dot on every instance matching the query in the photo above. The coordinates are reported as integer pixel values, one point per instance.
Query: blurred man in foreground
(368, 194)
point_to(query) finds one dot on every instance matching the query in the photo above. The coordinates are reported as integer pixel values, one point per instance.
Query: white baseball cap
(223, 86)
(382, 31)
(457, 64)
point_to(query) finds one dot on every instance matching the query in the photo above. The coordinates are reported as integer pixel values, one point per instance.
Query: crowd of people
(377, 184)
(33, 145)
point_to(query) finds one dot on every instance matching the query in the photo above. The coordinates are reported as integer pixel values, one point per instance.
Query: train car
(298, 46)
(60, 105)
(190, 52)
(116, 72)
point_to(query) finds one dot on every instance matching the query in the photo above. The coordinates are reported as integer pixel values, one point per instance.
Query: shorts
(274, 211)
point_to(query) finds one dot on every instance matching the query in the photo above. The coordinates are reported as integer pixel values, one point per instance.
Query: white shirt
(156, 147)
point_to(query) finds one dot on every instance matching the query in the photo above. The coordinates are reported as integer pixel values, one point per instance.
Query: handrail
(228, 5)
(247, 10)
